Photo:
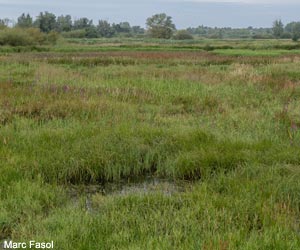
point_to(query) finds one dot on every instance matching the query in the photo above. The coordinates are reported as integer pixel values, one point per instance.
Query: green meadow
(199, 142)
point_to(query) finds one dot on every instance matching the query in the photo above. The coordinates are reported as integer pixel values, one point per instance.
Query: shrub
(52, 37)
(183, 35)
(26, 37)
(16, 37)
(295, 37)
(36, 35)
(75, 34)
(286, 35)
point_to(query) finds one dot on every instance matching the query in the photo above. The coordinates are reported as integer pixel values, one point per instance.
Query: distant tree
(91, 32)
(25, 21)
(278, 28)
(221, 34)
(289, 27)
(46, 22)
(183, 35)
(123, 27)
(296, 32)
(286, 35)
(136, 30)
(64, 23)
(160, 26)
(82, 23)
(105, 29)
(4, 23)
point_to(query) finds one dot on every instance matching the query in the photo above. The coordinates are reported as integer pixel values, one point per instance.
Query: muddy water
(142, 186)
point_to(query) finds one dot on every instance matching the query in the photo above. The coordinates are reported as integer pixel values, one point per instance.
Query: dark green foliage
(64, 23)
(46, 22)
(289, 27)
(104, 29)
(296, 32)
(227, 32)
(91, 32)
(25, 21)
(82, 23)
(278, 29)
(123, 27)
(160, 26)
(137, 30)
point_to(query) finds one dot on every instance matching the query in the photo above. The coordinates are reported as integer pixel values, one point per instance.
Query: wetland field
(121, 144)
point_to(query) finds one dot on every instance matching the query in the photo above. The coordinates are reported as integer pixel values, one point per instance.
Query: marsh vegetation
(220, 116)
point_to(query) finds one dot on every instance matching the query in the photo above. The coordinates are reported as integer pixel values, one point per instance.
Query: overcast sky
(185, 13)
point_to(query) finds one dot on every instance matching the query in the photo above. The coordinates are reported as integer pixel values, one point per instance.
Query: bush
(262, 36)
(75, 34)
(16, 37)
(26, 37)
(295, 37)
(286, 35)
(37, 35)
(183, 35)
(52, 37)
(296, 32)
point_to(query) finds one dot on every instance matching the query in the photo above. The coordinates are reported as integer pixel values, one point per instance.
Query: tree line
(290, 30)
(157, 26)
(82, 27)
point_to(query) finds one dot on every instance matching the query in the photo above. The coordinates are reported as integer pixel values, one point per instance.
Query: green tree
(105, 29)
(4, 23)
(91, 32)
(82, 23)
(46, 22)
(296, 31)
(125, 27)
(278, 28)
(137, 30)
(122, 28)
(289, 27)
(160, 26)
(25, 21)
(64, 23)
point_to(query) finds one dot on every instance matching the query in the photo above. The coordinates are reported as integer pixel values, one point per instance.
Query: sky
(185, 13)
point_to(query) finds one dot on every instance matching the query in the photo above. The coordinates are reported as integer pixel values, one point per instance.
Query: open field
(214, 125)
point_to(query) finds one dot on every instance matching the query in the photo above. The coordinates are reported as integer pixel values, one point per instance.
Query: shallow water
(142, 186)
